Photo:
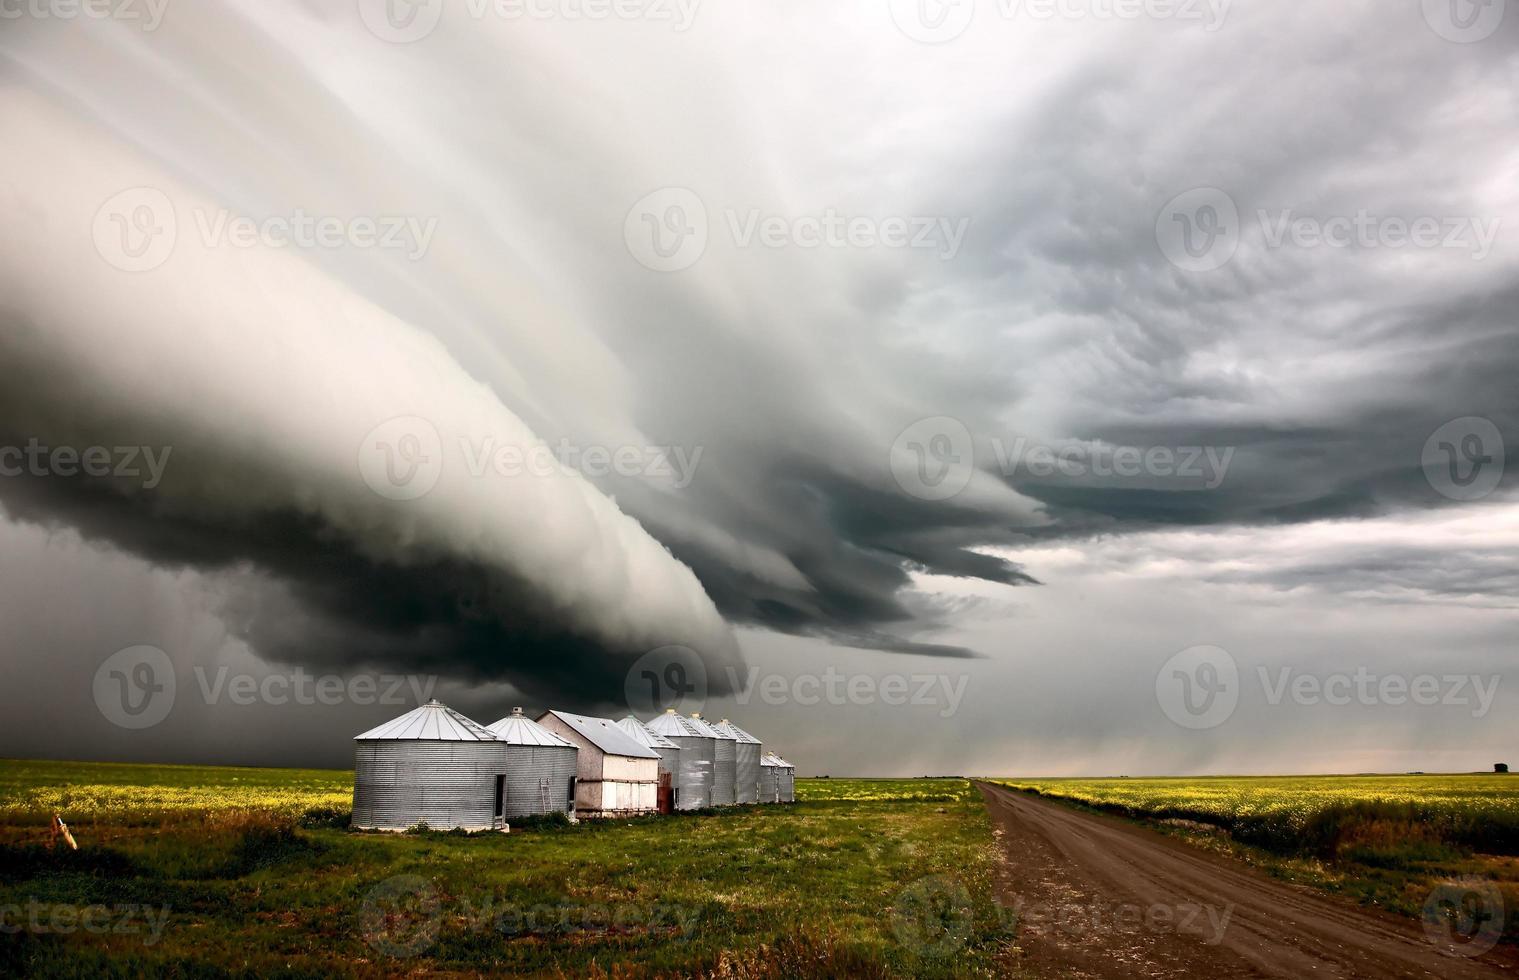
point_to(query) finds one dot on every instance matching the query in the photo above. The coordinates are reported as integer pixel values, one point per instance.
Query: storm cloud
(934, 330)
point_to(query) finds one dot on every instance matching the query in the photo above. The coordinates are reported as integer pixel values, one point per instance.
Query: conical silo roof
(644, 735)
(771, 759)
(672, 725)
(518, 729)
(703, 728)
(432, 722)
(726, 727)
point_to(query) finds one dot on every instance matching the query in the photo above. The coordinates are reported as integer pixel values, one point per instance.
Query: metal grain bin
(770, 778)
(669, 760)
(787, 780)
(698, 753)
(724, 762)
(540, 768)
(746, 767)
(432, 765)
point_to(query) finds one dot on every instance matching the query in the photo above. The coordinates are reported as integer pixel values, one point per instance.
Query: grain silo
(669, 759)
(723, 761)
(540, 768)
(430, 766)
(615, 775)
(746, 766)
(698, 751)
(770, 778)
(787, 779)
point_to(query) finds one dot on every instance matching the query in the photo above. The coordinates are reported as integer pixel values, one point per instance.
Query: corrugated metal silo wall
(788, 785)
(399, 784)
(693, 783)
(746, 773)
(770, 784)
(538, 779)
(669, 761)
(722, 772)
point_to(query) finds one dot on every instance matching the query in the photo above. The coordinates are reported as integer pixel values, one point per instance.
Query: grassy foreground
(1382, 840)
(204, 871)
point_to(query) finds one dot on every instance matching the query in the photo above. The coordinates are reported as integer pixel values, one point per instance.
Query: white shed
(615, 775)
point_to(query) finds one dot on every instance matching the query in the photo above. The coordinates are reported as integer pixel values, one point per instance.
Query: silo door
(500, 797)
(543, 794)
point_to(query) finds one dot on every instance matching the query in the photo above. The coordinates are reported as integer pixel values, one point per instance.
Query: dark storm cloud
(787, 375)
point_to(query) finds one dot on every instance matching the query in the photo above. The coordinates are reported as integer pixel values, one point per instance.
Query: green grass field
(204, 871)
(200, 871)
(1382, 840)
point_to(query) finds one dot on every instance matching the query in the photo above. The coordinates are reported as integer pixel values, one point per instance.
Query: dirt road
(1097, 896)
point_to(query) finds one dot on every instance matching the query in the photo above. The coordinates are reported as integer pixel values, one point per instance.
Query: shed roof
(643, 735)
(518, 729)
(432, 722)
(604, 734)
(731, 730)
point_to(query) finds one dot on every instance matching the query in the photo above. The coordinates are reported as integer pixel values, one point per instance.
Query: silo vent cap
(516, 711)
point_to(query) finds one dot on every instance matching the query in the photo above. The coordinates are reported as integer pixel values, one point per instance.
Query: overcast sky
(983, 386)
